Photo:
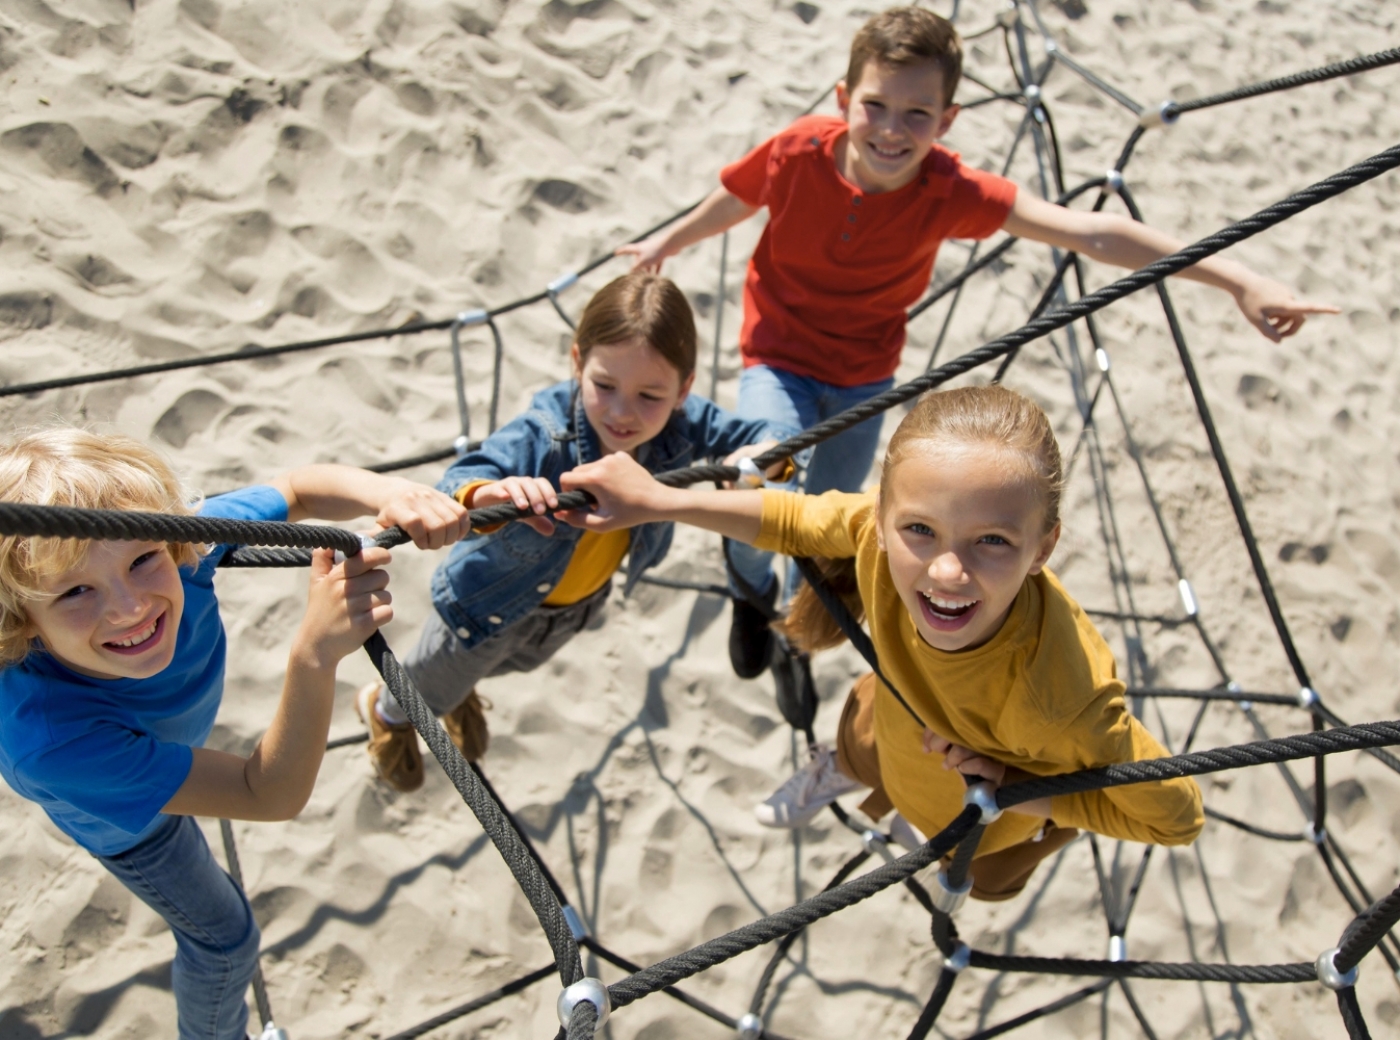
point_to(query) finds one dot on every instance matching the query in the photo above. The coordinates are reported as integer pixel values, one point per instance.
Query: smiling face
(894, 115)
(115, 614)
(629, 392)
(963, 525)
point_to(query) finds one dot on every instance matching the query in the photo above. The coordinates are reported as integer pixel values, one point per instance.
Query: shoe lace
(812, 779)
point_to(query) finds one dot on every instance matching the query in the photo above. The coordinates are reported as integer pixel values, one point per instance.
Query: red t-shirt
(836, 268)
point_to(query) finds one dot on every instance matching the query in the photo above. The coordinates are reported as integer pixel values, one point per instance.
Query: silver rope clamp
(946, 897)
(577, 928)
(750, 1027)
(473, 317)
(876, 844)
(1031, 93)
(1101, 357)
(366, 542)
(1164, 114)
(272, 1032)
(1308, 698)
(959, 959)
(1315, 834)
(591, 990)
(984, 796)
(564, 281)
(461, 445)
(1327, 972)
(1051, 46)
(750, 476)
(1113, 182)
(1188, 598)
(1117, 949)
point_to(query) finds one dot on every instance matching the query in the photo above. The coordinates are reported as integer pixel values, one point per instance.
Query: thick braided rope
(583, 1022)
(1298, 79)
(1366, 931)
(1251, 973)
(775, 926)
(485, 1000)
(486, 809)
(122, 525)
(1284, 749)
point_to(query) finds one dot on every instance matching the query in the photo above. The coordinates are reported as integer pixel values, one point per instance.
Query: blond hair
(976, 415)
(69, 466)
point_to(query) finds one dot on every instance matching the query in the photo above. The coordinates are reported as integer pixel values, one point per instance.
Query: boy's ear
(843, 97)
(1047, 546)
(945, 124)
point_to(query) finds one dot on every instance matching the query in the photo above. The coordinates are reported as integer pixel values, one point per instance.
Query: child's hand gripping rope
(972, 766)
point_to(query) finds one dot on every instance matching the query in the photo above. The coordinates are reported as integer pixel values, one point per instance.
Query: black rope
(1002, 1028)
(1363, 934)
(491, 815)
(485, 1000)
(1189, 972)
(942, 989)
(235, 871)
(1249, 828)
(775, 926)
(1284, 749)
(1342, 68)
(1213, 695)
(1351, 1014)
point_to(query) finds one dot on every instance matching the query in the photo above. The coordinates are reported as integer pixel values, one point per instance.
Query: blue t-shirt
(103, 756)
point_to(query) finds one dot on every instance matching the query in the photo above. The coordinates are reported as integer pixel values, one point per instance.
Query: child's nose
(947, 568)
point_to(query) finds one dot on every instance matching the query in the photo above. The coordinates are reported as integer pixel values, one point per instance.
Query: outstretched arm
(1267, 304)
(347, 602)
(628, 495)
(720, 211)
(331, 492)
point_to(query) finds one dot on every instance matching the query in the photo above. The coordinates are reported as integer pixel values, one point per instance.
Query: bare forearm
(330, 492)
(1127, 243)
(719, 212)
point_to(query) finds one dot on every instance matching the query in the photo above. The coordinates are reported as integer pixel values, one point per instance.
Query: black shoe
(750, 638)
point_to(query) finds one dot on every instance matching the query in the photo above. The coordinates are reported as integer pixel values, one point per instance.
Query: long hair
(977, 415)
(641, 305)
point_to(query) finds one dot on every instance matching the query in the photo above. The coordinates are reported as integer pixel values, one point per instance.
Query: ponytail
(809, 626)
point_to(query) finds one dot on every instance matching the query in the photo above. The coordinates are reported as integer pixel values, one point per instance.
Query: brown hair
(643, 305)
(904, 36)
(68, 466)
(986, 415)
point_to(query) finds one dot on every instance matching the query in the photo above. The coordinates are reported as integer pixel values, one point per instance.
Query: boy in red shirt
(858, 207)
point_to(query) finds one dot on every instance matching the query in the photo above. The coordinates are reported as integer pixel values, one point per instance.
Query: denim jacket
(493, 580)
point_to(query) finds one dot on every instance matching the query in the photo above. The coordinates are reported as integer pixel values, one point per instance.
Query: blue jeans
(793, 403)
(216, 938)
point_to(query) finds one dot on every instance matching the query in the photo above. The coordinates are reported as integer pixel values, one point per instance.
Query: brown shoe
(392, 748)
(466, 725)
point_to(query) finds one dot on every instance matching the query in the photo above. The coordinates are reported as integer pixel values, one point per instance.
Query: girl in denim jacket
(508, 599)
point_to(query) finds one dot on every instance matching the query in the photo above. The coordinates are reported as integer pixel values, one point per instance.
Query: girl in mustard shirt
(946, 565)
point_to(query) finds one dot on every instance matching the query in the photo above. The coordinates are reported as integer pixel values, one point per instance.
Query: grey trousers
(445, 671)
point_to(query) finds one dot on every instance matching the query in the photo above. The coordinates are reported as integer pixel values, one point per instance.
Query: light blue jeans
(216, 938)
(792, 403)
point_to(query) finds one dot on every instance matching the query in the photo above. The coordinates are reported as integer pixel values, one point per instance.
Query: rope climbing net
(1064, 306)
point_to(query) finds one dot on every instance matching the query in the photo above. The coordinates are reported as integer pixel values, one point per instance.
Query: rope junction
(585, 1003)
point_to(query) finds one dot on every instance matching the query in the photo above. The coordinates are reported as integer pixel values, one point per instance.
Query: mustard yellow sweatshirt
(1042, 695)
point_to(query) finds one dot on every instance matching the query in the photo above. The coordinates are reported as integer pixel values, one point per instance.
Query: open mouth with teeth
(138, 642)
(887, 154)
(946, 614)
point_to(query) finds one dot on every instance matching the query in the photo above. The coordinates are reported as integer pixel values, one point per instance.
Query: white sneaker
(905, 834)
(809, 790)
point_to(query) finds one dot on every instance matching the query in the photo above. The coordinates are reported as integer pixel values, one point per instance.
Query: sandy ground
(191, 177)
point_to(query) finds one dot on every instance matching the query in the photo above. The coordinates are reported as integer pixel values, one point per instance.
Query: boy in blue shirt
(113, 656)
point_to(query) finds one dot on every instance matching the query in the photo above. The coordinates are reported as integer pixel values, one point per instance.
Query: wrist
(311, 656)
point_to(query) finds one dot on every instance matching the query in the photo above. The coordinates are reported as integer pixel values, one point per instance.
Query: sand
(181, 179)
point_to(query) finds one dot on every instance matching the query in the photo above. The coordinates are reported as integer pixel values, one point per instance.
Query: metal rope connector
(984, 796)
(473, 317)
(1307, 697)
(1315, 834)
(461, 445)
(1031, 93)
(877, 844)
(1051, 46)
(750, 1027)
(272, 1032)
(1101, 358)
(366, 542)
(946, 897)
(1188, 598)
(959, 959)
(591, 990)
(1164, 114)
(1117, 948)
(750, 476)
(1329, 976)
(564, 281)
(1113, 182)
(577, 928)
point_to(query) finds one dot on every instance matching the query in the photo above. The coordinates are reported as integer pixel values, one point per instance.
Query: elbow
(1186, 824)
